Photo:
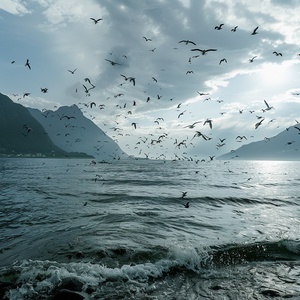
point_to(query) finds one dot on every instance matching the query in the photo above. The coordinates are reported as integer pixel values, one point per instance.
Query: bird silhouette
(146, 39)
(112, 62)
(209, 122)
(219, 27)
(252, 59)
(131, 79)
(27, 64)
(268, 106)
(72, 72)
(255, 31)
(192, 125)
(187, 42)
(203, 51)
(223, 60)
(277, 53)
(187, 205)
(258, 123)
(234, 28)
(96, 20)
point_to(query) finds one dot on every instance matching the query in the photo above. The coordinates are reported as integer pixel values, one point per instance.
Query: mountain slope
(70, 130)
(283, 146)
(21, 134)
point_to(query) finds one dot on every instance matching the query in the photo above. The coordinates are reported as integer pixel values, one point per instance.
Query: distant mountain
(70, 130)
(284, 146)
(23, 135)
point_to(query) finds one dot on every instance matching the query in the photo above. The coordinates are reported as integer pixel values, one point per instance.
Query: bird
(202, 94)
(268, 107)
(131, 79)
(209, 122)
(146, 39)
(154, 79)
(112, 62)
(96, 20)
(198, 134)
(134, 125)
(181, 114)
(28, 64)
(219, 27)
(187, 42)
(258, 123)
(189, 72)
(187, 205)
(183, 194)
(192, 125)
(203, 51)
(44, 90)
(255, 31)
(72, 71)
(26, 94)
(234, 28)
(223, 60)
(252, 59)
(277, 53)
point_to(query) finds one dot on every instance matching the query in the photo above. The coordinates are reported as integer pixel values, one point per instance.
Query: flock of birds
(161, 135)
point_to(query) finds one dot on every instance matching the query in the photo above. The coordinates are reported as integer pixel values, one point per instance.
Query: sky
(154, 114)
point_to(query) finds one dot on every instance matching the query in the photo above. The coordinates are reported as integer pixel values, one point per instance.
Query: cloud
(15, 7)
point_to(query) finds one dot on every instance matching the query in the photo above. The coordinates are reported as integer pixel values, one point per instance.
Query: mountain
(23, 135)
(70, 130)
(283, 146)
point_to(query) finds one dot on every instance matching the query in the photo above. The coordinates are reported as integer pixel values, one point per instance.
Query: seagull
(134, 125)
(187, 42)
(192, 125)
(181, 114)
(112, 62)
(28, 64)
(223, 60)
(44, 90)
(183, 194)
(234, 29)
(202, 94)
(277, 53)
(189, 72)
(146, 39)
(187, 205)
(209, 122)
(252, 59)
(26, 94)
(219, 27)
(268, 107)
(96, 21)
(72, 71)
(255, 31)
(198, 134)
(258, 123)
(203, 51)
(131, 79)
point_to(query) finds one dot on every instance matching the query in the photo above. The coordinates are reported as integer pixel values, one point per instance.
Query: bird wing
(267, 104)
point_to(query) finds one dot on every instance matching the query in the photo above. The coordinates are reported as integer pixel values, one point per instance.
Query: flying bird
(223, 60)
(209, 122)
(131, 79)
(96, 20)
(258, 123)
(44, 90)
(277, 53)
(234, 28)
(268, 106)
(146, 39)
(28, 64)
(255, 31)
(72, 71)
(112, 62)
(219, 27)
(187, 42)
(134, 125)
(192, 125)
(181, 114)
(252, 59)
(203, 51)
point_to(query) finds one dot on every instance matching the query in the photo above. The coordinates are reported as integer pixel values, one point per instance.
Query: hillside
(23, 135)
(283, 146)
(70, 130)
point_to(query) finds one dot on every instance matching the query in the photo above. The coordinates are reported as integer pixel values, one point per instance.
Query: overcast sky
(58, 35)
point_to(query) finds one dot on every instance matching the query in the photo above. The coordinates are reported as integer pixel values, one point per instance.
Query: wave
(37, 279)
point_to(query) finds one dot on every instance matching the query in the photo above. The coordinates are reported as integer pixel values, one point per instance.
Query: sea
(149, 229)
